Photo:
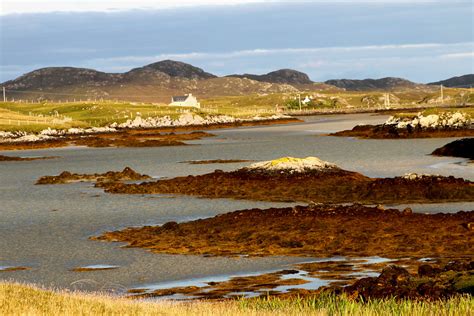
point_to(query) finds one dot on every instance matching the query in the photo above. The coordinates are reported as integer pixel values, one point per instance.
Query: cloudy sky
(419, 40)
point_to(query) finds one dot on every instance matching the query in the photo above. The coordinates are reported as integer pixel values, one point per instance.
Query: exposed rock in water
(308, 179)
(318, 230)
(430, 283)
(459, 148)
(126, 174)
(290, 165)
(444, 125)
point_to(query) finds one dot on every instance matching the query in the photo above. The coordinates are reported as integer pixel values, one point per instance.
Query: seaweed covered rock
(430, 283)
(459, 148)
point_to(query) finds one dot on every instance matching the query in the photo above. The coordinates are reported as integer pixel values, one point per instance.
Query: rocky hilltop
(388, 83)
(155, 82)
(175, 69)
(287, 76)
(465, 81)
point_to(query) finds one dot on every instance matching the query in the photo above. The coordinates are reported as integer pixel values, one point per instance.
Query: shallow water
(47, 227)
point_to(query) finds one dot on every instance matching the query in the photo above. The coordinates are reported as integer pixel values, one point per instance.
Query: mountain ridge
(464, 81)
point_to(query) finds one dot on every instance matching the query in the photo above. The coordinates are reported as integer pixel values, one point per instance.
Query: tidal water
(47, 227)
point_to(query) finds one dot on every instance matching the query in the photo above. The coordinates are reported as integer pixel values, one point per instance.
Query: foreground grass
(17, 299)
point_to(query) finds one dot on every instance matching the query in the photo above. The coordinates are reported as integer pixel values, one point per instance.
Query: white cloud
(459, 55)
(31, 6)
(39, 6)
(285, 51)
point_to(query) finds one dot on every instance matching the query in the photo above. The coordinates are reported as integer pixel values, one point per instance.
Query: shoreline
(151, 136)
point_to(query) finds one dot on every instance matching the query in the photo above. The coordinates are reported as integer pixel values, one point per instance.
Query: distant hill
(156, 82)
(465, 81)
(286, 76)
(175, 69)
(388, 83)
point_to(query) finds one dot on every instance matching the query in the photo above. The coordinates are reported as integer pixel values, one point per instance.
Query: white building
(185, 100)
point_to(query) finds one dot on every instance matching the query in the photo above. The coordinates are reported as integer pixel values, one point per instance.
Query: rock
(291, 165)
(407, 211)
(380, 207)
(426, 270)
(393, 275)
(170, 226)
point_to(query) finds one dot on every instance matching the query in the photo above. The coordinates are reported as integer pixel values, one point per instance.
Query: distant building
(306, 100)
(185, 100)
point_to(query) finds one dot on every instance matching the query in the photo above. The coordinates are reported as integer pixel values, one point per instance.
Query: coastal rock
(185, 119)
(431, 283)
(458, 148)
(291, 165)
(444, 120)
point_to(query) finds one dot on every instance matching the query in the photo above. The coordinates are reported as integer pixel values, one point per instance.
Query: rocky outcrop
(316, 230)
(445, 120)
(447, 124)
(127, 174)
(308, 179)
(184, 120)
(290, 165)
(432, 283)
(459, 148)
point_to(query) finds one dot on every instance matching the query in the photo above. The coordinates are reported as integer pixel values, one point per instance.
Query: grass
(37, 116)
(18, 299)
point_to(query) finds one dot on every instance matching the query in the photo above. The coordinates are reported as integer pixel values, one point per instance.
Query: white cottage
(185, 100)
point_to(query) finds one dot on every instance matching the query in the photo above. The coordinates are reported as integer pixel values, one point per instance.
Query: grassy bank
(16, 299)
(35, 116)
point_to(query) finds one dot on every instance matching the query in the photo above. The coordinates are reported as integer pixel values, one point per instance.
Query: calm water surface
(47, 227)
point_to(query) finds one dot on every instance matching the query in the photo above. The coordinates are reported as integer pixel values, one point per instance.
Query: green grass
(38, 116)
(340, 305)
(19, 299)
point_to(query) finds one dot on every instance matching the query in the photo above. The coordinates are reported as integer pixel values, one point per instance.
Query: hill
(465, 81)
(388, 83)
(155, 82)
(285, 76)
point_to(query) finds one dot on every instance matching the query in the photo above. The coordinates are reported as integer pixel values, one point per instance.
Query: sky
(422, 41)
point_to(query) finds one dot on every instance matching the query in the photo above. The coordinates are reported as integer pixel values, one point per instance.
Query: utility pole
(4, 95)
(299, 100)
(442, 96)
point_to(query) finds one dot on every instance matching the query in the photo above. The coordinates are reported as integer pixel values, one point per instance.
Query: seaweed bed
(425, 282)
(127, 174)
(383, 131)
(331, 185)
(459, 148)
(317, 230)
